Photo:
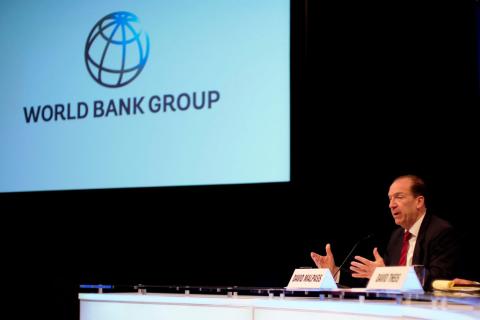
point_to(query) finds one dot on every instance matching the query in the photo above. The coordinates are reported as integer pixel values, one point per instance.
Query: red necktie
(403, 255)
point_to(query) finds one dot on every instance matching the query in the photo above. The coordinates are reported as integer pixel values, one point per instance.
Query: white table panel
(156, 306)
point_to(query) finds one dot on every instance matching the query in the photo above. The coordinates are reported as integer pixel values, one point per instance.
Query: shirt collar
(416, 226)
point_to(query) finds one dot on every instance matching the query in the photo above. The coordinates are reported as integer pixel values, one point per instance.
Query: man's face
(403, 204)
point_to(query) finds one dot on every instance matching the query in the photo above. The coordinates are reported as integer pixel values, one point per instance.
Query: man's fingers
(359, 272)
(376, 254)
(358, 265)
(360, 275)
(363, 260)
(356, 269)
(316, 258)
(328, 250)
(323, 261)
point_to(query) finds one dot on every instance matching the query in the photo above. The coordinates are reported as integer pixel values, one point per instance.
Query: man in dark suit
(421, 239)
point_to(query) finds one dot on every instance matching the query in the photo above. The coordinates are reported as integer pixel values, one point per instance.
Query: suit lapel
(397, 247)
(418, 251)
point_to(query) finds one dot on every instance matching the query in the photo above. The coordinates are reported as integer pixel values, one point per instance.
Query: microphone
(371, 235)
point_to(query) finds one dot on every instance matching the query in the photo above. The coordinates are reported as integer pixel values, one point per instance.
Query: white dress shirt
(413, 239)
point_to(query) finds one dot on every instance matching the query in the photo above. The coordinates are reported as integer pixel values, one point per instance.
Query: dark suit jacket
(437, 248)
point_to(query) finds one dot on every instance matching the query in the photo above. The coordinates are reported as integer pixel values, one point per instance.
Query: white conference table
(150, 306)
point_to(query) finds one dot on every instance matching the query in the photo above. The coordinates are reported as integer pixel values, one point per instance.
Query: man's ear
(420, 201)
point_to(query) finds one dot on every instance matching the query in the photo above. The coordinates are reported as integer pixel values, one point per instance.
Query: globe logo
(116, 50)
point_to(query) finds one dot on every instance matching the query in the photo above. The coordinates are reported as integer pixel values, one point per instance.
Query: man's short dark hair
(418, 187)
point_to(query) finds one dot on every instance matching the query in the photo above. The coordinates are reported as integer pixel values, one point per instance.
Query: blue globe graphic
(116, 50)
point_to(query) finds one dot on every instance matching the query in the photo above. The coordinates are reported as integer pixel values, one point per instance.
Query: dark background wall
(379, 89)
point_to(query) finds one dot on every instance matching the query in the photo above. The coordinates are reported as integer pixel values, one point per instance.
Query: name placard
(312, 279)
(395, 279)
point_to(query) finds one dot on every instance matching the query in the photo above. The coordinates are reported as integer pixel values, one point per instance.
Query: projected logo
(116, 50)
